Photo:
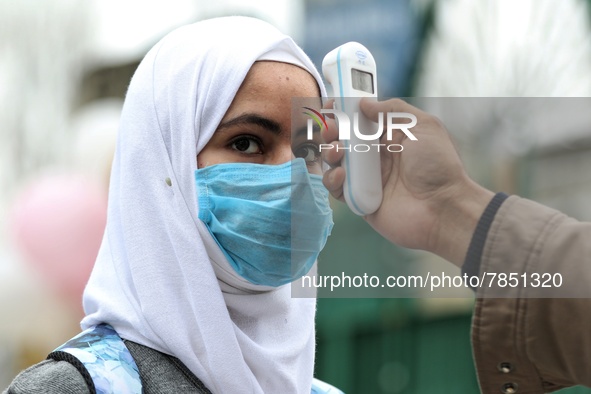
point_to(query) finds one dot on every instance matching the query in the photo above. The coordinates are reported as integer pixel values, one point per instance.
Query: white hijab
(155, 277)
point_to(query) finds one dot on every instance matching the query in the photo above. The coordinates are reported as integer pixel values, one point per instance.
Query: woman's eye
(248, 145)
(309, 152)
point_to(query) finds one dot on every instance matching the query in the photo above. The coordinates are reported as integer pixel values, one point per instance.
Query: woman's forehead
(265, 72)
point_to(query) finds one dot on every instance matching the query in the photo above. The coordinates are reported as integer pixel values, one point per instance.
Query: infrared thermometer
(350, 72)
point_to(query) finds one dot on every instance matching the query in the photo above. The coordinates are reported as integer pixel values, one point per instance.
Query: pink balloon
(58, 224)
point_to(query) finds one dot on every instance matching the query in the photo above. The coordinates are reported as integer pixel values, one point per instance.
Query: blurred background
(64, 69)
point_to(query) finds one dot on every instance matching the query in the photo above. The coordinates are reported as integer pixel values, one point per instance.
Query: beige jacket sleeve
(534, 345)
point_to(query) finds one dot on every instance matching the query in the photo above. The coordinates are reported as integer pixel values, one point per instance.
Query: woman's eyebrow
(253, 119)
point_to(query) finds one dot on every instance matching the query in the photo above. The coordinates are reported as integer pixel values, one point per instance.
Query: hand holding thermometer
(350, 70)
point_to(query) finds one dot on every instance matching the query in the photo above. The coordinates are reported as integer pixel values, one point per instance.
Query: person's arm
(49, 377)
(532, 345)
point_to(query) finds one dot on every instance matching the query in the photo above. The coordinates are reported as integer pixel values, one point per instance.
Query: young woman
(194, 267)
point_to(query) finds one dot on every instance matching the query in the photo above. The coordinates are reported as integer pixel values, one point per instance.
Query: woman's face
(257, 128)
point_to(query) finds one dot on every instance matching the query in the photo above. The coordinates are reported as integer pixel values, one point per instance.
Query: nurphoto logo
(368, 138)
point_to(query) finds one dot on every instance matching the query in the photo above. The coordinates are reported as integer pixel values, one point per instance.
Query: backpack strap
(104, 361)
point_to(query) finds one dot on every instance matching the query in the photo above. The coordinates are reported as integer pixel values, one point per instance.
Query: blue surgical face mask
(271, 221)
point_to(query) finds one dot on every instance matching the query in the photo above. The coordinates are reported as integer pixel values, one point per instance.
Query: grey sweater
(160, 374)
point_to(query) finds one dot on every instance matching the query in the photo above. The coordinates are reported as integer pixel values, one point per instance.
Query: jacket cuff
(471, 266)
